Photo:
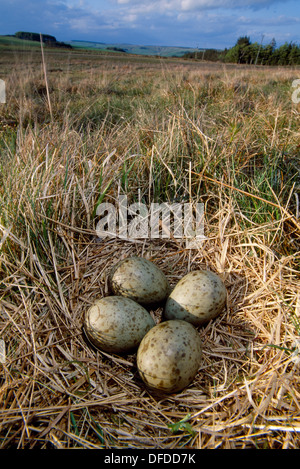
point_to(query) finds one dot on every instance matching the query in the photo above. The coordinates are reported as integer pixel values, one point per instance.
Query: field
(11, 42)
(90, 127)
(162, 51)
(14, 43)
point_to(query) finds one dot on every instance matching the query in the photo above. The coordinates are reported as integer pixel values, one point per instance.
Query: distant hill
(35, 37)
(12, 42)
(161, 51)
(28, 38)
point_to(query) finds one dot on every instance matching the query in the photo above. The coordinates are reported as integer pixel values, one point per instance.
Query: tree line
(46, 38)
(246, 52)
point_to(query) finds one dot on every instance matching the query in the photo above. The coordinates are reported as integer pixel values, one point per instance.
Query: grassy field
(162, 51)
(104, 126)
(14, 43)
(11, 42)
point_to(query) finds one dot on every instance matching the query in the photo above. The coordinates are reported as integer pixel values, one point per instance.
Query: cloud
(208, 23)
(177, 12)
(51, 16)
(192, 5)
(232, 4)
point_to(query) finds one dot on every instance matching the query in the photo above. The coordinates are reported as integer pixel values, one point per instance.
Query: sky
(188, 23)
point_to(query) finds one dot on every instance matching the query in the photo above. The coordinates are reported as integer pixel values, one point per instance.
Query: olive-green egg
(197, 298)
(139, 279)
(116, 324)
(169, 356)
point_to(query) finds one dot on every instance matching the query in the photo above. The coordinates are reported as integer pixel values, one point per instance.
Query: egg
(197, 298)
(169, 356)
(139, 279)
(116, 324)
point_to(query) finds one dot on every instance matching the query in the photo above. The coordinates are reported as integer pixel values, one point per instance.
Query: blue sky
(192, 23)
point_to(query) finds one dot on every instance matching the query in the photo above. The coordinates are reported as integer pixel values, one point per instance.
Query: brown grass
(56, 391)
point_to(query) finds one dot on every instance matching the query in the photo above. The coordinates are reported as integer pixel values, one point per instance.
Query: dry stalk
(45, 77)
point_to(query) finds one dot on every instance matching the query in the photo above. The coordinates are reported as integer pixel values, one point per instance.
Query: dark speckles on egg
(169, 355)
(139, 279)
(197, 298)
(117, 324)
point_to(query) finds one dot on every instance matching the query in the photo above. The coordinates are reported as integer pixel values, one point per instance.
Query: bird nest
(58, 391)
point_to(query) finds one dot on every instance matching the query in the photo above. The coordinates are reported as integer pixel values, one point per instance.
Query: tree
(294, 55)
(243, 41)
(273, 44)
(35, 37)
(267, 52)
(283, 54)
(241, 53)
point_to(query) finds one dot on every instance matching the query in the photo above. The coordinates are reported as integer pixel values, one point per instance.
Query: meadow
(88, 127)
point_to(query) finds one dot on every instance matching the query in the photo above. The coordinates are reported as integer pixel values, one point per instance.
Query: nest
(58, 391)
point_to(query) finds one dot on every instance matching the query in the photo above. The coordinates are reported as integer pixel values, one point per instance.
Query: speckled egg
(139, 279)
(169, 356)
(197, 298)
(116, 324)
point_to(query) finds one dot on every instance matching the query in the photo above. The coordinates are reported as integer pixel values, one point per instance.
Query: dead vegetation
(55, 389)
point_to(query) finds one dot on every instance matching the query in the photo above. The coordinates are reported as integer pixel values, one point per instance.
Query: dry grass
(150, 124)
